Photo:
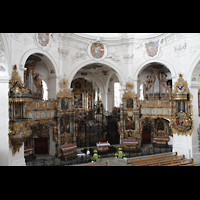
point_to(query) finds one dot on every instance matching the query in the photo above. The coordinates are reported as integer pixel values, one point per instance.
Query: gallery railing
(53, 161)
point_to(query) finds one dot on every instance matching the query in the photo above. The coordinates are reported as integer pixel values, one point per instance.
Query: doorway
(146, 135)
(41, 145)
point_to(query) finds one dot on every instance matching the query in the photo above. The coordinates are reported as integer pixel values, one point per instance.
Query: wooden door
(146, 136)
(41, 145)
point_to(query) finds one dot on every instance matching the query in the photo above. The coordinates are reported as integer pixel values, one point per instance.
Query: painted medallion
(43, 39)
(97, 50)
(152, 48)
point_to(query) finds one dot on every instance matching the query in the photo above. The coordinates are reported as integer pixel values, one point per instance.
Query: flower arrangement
(116, 155)
(92, 159)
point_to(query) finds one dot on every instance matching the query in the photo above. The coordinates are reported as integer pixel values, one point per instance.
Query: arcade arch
(118, 72)
(147, 70)
(103, 78)
(43, 70)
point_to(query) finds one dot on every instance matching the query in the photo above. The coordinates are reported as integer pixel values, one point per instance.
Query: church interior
(100, 99)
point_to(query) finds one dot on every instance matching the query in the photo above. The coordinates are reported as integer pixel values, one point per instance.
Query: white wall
(4, 142)
(179, 52)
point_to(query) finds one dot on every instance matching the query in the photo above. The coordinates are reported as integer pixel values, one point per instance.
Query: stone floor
(112, 161)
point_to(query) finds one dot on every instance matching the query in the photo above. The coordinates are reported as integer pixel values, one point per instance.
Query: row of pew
(167, 159)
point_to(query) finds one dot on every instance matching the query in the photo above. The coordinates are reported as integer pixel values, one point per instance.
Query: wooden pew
(152, 158)
(164, 162)
(96, 164)
(182, 162)
(196, 164)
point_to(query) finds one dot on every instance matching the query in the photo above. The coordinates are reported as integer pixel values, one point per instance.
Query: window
(45, 91)
(117, 98)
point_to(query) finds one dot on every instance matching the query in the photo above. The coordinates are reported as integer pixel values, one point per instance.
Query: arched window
(141, 92)
(117, 98)
(45, 89)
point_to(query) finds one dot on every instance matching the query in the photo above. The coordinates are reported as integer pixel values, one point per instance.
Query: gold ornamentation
(15, 77)
(181, 120)
(129, 94)
(19, 132)
(65, 93)
(55, 129)
(129, 86)
(64, 83)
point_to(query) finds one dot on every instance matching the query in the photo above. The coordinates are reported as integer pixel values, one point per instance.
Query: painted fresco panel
(97, 50)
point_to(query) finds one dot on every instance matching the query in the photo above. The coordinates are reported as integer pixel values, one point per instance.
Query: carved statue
(175, 120)
(141, 127)
(55, 133)
(187, 121)
(76, 128)
(119, 126)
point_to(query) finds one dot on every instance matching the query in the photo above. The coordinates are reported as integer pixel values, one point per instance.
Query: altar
(102, 146)
(68, 150)
(130, 144)
(161, 140)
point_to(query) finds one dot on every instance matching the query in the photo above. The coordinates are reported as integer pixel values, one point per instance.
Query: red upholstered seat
(161, 138)
(103, 144)
(130, 141)
(68, 146)
(28, 148)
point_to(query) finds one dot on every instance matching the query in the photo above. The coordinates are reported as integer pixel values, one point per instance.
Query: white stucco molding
(161, 61)
(75, 69)
(192, 68)
(35, 50)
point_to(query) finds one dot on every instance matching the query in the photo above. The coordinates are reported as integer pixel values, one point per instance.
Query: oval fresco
(97, 50)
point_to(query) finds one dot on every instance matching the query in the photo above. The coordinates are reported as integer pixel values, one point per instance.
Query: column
(4, 139)
(52, 145)
(195, 146)
(52, 87)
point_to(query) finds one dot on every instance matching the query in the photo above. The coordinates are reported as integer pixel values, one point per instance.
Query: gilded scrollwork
(181, 120)
(19, 97)
(65, 93)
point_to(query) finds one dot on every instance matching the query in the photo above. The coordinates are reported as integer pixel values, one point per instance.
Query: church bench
(149, 159)
(164, 162)
(139, 160)
(182, 162)
(193, 164)
(96, 164)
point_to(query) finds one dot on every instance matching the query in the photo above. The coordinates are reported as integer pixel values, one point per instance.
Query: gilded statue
(119, 126)
(55, 133)
(175, 120)
(187, 121)
(76, 128)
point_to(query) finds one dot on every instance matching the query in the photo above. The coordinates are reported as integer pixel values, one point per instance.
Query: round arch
(99, 84)
(192, 68)
(34, 50)
(166, 64)
(78, 67)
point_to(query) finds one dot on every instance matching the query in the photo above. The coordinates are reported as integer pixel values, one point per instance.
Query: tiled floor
(112, 161)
